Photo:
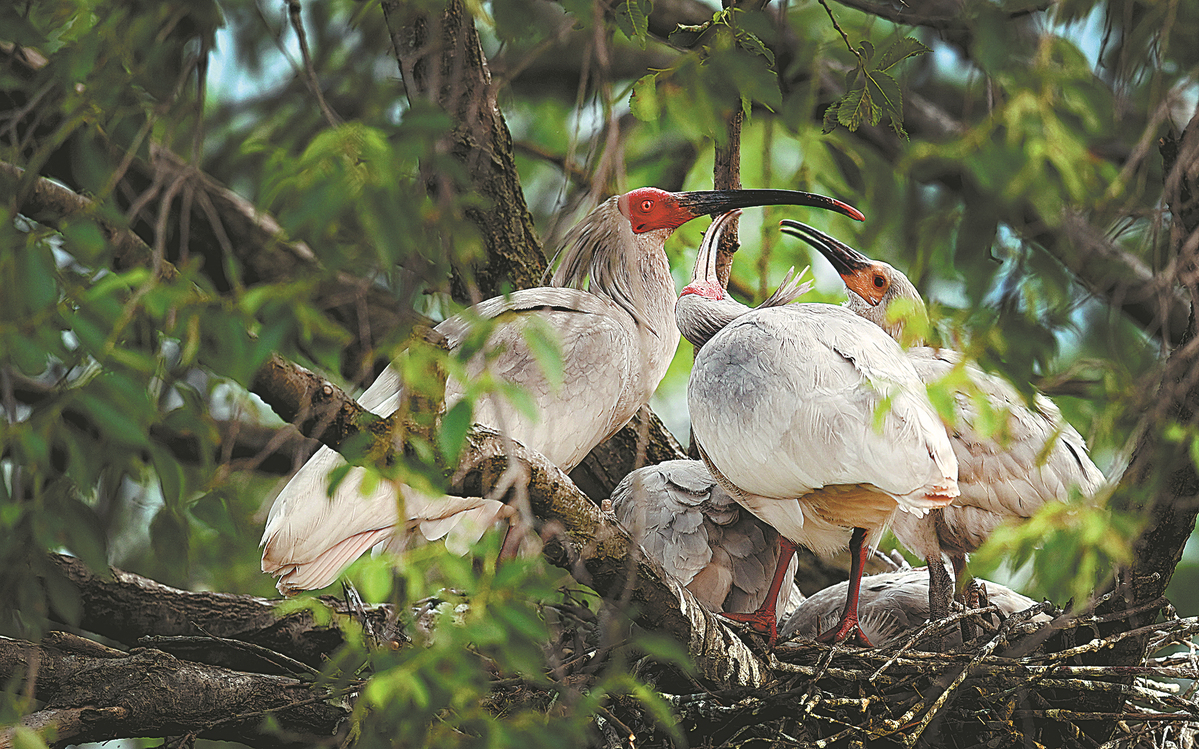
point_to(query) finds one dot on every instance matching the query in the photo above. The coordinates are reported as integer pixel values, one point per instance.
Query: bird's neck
(652, 295)
(700, 316)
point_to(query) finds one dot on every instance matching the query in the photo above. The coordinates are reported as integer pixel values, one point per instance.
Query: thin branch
(50, 203)
(908, 15)
(310, 77)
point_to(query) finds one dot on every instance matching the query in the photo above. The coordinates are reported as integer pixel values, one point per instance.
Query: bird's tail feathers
(324, 568)
(789, 290)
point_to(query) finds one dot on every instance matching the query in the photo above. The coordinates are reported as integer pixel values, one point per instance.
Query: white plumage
(1036, 458)
(815, 420)
(617, 339)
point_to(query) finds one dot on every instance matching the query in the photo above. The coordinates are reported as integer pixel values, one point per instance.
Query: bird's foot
(974, 594)
(849, 630)
(761, 621)
(940, 590)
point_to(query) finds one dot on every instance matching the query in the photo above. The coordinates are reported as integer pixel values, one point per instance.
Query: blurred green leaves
(733, 68)
(1095, 540)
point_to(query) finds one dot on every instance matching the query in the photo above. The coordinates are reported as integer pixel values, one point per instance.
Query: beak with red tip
(710, 202)
(856, 270)
(649, 209)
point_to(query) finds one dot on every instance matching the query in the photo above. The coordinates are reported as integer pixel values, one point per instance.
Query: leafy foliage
(124, 383)
(871, 90)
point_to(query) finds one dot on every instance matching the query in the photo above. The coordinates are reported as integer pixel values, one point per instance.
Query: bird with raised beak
(1035, 458)
(815, 421)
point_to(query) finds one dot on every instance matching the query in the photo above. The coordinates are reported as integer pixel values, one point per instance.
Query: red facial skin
(706, 289)
(648, 208)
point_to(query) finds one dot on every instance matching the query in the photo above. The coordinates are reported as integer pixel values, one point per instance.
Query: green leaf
(520, 400)
(752, 43)
(63, 594)
(632, 18)
(900, 50)
(643, 102)
(26, 738)
(854, 108)
(454, 426)
(212, 510)
(831, 118)
(115, 422)
(543, 345)
(885, 92)
(84, 533)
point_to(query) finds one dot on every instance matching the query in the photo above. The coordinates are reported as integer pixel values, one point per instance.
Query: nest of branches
(1030, 680)
(1036, 678)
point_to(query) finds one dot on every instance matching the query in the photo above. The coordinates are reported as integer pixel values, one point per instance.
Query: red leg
(513, 535)
(849, 629)
(764, 620)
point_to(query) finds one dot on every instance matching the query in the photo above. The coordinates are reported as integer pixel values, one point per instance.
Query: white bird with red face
(816, 422)
(617, 339)
(1036, 458)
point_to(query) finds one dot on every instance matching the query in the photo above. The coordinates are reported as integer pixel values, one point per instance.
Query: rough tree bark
(442, 61)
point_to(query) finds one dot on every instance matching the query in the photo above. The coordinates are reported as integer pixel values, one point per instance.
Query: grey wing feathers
(545, 297)
(1036, 457)
(694, 528)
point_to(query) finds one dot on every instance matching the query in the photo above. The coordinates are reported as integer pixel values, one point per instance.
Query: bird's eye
(879, 282)
(646, 205)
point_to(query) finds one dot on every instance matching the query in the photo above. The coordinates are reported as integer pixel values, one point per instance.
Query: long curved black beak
(709, 202)
(845, 259)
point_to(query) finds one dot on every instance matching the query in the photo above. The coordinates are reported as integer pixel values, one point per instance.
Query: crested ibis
(1036, 458)
(814, 420)
(617, 339)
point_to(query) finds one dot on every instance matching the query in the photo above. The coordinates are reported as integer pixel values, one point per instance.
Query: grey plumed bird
(784, 403)
(1037, 457)
(617, 338)
(689, 524)
(892, 605)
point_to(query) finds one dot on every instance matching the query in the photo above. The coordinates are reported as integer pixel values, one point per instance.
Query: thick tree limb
(125, 607)
(597, 543)
(933, 15)
(92, 695)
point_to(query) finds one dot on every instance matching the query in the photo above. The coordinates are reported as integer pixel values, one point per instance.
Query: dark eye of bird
(879, 281)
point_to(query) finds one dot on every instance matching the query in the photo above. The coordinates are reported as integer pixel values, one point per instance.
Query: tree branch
(125, 607)
(600, 553)
(442, 61)
(50, 203)
(96, 694)
(592, 543)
